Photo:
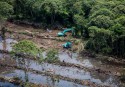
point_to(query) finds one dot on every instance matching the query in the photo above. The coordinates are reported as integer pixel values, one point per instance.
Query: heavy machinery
(63, 33)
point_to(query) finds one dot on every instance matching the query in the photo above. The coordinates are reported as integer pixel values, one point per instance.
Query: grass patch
(52, 55)
(27, 47)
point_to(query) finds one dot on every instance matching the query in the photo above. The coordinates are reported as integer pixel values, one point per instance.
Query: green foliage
(120, 20)
(101, 41)
(101, 21)
(52, 55)
(26, 47)
(8, 1)
(93, 30)
(118, 29)
(119, 9)
(97, 19)
(119, 46)
(103, 11)
(5, 10)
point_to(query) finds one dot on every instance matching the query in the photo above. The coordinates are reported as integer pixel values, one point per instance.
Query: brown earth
(44, 39)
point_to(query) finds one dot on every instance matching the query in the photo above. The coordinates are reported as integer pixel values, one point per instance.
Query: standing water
(69, 72)
(41, 79)
(6, 44)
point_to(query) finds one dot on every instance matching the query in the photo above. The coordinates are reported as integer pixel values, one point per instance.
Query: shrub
(101, 41)
(101, 21)
(52, 55)
(119, 46)
(26, 47)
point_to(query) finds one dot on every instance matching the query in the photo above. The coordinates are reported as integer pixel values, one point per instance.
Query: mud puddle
(68, 72)
(60, 70)
(6, 44)
(7, 84)
(40, 79)
(74, 58)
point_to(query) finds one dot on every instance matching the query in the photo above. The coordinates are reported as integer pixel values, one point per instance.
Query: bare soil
(48, 39)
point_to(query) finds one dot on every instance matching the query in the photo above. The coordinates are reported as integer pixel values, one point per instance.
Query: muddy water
(88, 62)
(73, 58)
(63, 71)
(7, 84)
(68, 72)
(40, 79)
(34, 78)
(6, 44)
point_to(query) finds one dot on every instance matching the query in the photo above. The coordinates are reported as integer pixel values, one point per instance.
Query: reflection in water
(21, 62)
(63, 56)
(58, 70)
(67, 72)
(6, 44)
(0, 38)
(3, 45)
(41, 79)
(6, 84)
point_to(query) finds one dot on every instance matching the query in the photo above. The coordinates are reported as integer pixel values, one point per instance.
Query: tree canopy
(102, 16)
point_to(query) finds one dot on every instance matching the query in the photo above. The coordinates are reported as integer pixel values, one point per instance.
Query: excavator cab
(63, 33)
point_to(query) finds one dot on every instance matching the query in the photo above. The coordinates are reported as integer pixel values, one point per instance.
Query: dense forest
(62, 43)
(101, 22)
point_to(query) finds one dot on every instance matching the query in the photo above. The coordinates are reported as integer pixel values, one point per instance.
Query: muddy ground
(72, 69)
(42, 37)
